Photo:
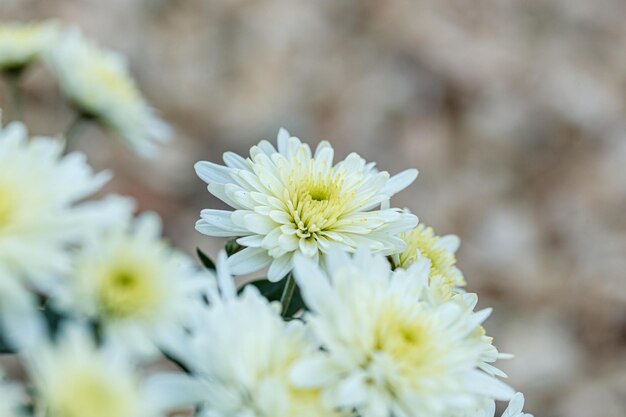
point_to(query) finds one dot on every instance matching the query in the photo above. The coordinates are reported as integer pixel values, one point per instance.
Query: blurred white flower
(99, 85)
(74, 378)
(290, 201)
(242, 351)
(133, 284)
(422, 241)
(11, 398)
(22, 43)
(386, 349)
(41, 212)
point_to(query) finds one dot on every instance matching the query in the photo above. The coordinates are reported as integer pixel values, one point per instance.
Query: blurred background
(513, 111)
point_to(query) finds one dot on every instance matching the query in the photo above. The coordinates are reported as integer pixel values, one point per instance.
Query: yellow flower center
(442, 261)
(116, 82)
(87, 394)
(7, 206)
(409, 340)
(127, 290)
(316, 202)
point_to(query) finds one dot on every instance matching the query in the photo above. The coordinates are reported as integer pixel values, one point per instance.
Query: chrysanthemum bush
(363, 311)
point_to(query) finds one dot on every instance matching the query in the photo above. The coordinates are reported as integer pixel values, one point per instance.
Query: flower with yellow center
(423, 242)
(131, 282)
(99, 85)
(42, 212)
(290, 201)
(386, 348)
(242, 350)
(23, 43)
(74, 378)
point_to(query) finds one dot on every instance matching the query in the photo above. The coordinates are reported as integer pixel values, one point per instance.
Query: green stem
(285, 298)
(14, 95)
(73, 131)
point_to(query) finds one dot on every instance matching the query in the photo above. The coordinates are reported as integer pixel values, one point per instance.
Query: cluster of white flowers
(96, 81)
(362, 313)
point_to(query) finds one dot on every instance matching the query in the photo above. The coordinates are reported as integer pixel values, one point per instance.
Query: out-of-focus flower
(386, 350)
(41, 212)
(74, 378)
(290, 201)
(99, 85)
(422, 241)
(242, 351)
(11, 398)
(21, 44)
(133, 283)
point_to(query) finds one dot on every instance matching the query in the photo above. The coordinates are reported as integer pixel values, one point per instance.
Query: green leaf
(232, 247)
(5, 347)
(273, 291)
(206, 261)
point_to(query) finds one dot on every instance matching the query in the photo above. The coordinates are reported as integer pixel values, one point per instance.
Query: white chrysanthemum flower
(41, 208)
(387, 350)
(21, 44)
(133, 284)
(290, 201)
(74, 378)
(422, 241)
(99, 85)
(242, 351)
(11, 398)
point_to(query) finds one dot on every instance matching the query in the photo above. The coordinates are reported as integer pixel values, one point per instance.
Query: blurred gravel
(512, 111)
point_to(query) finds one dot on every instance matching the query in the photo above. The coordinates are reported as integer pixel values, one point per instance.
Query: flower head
(21, 44)
(242, 351)
(387, 349)
(422, 242)
(75, 379)
(133, 283)
(41, 207)
(290, 201)
(99, 85)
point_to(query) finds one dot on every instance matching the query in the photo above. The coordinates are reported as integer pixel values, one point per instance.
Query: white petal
(450, 243)
(515, 406)
(233, 160)
(283, 140)
(313, 371)
(167, 392)
(483, 384)
(352, 391)
(210, 172)
(399, 182)
(280, 267)
(248, 260)
(225, 281)
(313, 284)
(308, 247)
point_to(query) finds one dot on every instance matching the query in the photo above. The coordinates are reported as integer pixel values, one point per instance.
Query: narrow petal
(248, 260)
(399, 182)
(280, 267)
